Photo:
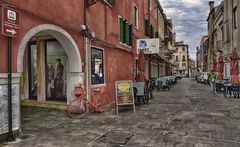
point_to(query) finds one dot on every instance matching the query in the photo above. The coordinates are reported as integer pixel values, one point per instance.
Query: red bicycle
(80, 106)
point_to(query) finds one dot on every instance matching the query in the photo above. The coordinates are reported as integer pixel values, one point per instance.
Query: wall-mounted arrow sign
(11, 31)
(10, 22)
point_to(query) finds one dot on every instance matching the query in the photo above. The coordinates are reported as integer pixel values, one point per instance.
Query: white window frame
(235, 20)
(137, 24)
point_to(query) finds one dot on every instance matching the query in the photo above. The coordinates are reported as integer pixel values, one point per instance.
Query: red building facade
(62, 43)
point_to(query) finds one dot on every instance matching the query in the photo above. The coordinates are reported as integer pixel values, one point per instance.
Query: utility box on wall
(4, 103)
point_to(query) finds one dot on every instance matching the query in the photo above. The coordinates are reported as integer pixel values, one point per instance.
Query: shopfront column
(41, 82)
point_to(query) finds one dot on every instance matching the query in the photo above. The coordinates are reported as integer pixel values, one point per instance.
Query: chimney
(211, 4)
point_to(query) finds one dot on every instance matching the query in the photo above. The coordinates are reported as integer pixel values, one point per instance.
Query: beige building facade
(180, 58)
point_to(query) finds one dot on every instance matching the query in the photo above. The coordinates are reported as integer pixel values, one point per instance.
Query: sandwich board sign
(124, 94)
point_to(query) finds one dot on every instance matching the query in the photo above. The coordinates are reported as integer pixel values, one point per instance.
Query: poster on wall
(124, 94)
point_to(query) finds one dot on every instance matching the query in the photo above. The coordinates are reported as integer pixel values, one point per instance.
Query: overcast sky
(189, 20)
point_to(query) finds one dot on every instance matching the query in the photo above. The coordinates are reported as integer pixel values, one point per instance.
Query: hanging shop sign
(148, 46)
(124, 94)
(10, 22)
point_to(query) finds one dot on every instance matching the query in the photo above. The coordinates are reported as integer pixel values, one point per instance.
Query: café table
(227, 87)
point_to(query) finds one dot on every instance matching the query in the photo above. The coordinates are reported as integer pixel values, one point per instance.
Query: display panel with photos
(56, 71)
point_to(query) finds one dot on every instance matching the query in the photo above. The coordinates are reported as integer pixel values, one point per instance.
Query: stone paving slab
(186, 116)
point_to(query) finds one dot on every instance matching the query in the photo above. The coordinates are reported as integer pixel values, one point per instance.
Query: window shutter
(151, 31)
(146, 28)
(130, 35)
(111, 2)
(124, 31)
(121, 30)
(127, 33)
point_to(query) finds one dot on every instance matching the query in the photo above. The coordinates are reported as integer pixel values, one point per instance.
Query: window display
(97, 72)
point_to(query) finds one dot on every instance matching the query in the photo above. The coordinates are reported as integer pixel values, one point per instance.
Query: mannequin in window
(58, 81)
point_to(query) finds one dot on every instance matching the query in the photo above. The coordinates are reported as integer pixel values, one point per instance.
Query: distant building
(203, 51)
(180, 58)
(198, 63)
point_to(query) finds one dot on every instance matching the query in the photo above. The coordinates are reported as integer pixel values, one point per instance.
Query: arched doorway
(50, 63)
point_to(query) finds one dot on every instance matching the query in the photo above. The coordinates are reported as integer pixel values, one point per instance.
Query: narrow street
(186, 116)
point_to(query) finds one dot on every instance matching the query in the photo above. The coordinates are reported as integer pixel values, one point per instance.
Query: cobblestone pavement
(186, 116)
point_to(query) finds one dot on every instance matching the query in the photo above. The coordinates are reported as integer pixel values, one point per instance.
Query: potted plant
(78, 89)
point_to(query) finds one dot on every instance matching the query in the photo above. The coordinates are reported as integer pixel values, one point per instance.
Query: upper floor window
(97, 66)
(184, 65)
(183, 59)
(235, 18)
(183, 49)
(176, 58)
(135, 16)
(125, 31)
(177, 49)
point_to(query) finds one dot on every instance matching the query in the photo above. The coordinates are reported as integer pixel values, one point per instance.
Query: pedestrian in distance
(212, 78)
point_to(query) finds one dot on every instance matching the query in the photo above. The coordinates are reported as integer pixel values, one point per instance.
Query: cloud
(189, 20)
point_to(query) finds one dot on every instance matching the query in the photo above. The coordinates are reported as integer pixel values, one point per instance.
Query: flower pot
(78, 91)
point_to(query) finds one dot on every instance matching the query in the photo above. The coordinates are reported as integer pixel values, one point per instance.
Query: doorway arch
(75, 73)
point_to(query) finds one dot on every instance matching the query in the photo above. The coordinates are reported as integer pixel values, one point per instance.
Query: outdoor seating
(227, 89)
(220, 85)
(159, 86)
(140, 94)
(149, 92)
(165, 83)
(234, 91)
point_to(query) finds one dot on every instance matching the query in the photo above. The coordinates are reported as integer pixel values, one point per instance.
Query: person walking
(212, 78)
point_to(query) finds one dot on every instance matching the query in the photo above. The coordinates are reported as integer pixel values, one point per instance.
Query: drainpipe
(87, 44)
(10, 131)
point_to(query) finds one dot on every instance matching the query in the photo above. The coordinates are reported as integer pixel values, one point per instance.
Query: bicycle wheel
(77, 108)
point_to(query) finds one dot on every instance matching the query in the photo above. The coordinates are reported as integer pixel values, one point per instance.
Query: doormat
(115, 137)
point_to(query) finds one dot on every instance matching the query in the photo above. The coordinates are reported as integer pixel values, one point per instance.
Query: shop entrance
(50, 64)
(56, 67)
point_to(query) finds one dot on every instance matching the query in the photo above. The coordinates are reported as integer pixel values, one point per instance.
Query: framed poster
(124, 94)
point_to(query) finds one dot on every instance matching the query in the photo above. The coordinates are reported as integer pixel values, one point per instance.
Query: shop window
(56, 71)
(97, 66)
(125, 30)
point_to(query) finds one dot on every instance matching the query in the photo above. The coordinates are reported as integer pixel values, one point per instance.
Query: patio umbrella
(141, 68)
(214, 64)
(220, 68)
(234, 67)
